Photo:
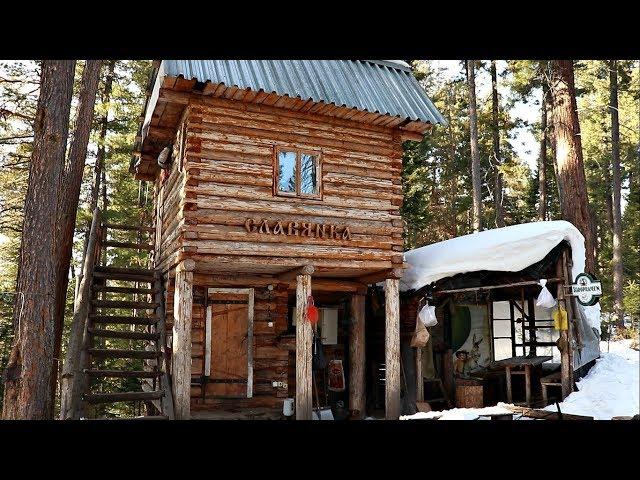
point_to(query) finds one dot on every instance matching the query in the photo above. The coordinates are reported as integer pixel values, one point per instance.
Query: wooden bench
(553, 380)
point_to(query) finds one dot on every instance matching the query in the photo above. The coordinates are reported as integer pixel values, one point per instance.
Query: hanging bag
(318, 360)
(420, 335)
(428, 315)
(545, 299)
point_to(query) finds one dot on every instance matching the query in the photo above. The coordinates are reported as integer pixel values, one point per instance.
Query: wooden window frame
(299, 152)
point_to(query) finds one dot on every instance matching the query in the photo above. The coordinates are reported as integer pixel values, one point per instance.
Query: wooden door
(229, 343)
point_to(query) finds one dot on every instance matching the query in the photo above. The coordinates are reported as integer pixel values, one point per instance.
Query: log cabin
(277, 194)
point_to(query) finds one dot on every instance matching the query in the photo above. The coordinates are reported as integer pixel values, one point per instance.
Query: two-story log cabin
(277, 183)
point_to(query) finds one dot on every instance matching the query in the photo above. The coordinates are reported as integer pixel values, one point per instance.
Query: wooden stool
(553, 380)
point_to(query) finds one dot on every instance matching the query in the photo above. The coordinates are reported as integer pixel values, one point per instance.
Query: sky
(525, 144)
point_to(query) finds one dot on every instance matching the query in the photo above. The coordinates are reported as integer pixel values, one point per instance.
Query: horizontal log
(292, 274)
(543, 414)
(380, 276)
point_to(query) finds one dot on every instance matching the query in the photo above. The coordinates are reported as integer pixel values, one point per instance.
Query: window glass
(287, 172)
(308, 174)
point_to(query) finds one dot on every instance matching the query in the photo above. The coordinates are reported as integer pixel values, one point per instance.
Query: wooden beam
(492, 287)
(292, 274)
(392, 349)
(411, 136)
(544, 414)
(303, 350)
(336, 285)
(357, 357)
(419, 376)
(381, 276)
(181, 358)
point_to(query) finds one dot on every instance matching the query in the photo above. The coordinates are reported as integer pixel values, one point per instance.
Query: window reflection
(308, 174)
(287, 172)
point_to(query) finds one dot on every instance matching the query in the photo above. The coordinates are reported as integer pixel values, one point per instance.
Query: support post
(304, 340)
(419, 376)
(357, 357)
(566, 363)
(181, 358)
(392, 349)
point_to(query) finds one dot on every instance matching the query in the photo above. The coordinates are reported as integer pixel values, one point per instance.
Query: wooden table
(517, 362)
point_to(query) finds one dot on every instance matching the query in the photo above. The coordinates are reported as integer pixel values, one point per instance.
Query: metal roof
(381, 86)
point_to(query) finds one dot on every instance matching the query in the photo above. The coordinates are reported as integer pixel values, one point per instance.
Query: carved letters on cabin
(297, 229)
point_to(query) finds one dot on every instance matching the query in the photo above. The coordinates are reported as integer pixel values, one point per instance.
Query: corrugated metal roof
(381, 86)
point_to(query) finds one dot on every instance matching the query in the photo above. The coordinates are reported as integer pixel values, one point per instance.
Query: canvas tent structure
(485, 286)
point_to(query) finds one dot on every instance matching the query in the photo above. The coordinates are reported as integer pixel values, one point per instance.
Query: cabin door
(229, 342)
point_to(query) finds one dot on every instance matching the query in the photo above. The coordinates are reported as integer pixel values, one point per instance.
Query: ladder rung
(123, 373)
(132, 277)
(123, 334)
(124, 304)
(135, 246)
(113, 353)
(141, 291)
(117, 226)
(123, 319)
(121, 397)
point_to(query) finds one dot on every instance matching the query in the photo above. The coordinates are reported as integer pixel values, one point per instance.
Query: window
(297, 173)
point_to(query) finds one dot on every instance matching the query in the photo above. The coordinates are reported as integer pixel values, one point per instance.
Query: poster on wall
(470, 339)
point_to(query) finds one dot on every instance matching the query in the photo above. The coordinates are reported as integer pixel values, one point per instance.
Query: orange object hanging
(312, 311)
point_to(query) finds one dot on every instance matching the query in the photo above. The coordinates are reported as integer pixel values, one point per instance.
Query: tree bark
(68, 207)
(497, 196)
(28, 373)
(572, 184)
(542, 159)
(618, 307)
(475, 154)
(101, 154)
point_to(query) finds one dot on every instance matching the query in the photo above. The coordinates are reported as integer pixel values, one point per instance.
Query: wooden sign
(297, 229)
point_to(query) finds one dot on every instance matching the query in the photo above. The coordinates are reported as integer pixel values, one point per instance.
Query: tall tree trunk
(618, 279)
(572, 184)
(475, 154)
(101, 154)
(542, 159)
(72, 183)
(454, 178)
(28, 373)
(497, 196)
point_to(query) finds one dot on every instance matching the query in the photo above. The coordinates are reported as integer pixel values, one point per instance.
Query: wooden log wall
(229, 177)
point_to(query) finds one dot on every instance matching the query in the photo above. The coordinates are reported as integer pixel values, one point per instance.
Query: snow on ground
(610, 389)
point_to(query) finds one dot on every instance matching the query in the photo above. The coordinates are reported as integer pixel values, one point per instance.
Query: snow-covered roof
(507, 249)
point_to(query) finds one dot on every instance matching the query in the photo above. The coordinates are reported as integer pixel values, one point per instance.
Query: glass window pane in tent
(308, 174)
(287, 172)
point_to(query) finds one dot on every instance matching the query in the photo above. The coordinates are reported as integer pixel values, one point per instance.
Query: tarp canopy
(507, 249)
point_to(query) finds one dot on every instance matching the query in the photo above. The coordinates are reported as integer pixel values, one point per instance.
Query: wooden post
(566, 367)
(527, 383)
(507, 371)
(357, 357)
(304, 339)
(392, 349)
(181, 359)
(419, 376)
(72, 376)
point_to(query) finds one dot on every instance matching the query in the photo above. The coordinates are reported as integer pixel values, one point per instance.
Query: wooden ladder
(126, 326)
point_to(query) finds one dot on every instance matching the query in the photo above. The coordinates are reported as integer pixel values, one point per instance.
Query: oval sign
(587, 289)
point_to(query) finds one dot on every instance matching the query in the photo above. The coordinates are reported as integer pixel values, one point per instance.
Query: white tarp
(507, 249)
